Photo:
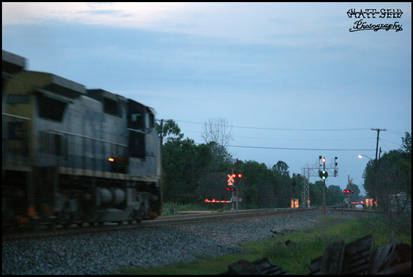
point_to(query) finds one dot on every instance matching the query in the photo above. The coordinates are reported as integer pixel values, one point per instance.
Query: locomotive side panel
(144, 154)
(90, 155)
(15, 140)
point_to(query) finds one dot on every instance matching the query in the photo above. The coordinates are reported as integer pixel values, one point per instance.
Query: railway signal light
(111, 159)
(323, 160)
(323, 174)
(347, 191)
(232, 177)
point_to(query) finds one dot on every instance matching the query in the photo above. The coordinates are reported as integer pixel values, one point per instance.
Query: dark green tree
(406, 143)
(256, 176)
(280, 168)
(169, 130)
(334, 196)
(183, 165)
(405, 163)
(393, 174)
(316, 193)
(355, 192)
(221, 160)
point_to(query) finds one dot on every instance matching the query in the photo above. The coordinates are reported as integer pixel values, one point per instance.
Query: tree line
(192, 172)
(390, 174)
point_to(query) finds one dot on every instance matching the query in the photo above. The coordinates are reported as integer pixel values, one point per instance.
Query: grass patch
(202, 266)
(295, 257)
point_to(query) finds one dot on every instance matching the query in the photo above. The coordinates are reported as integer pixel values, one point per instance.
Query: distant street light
(360, 156)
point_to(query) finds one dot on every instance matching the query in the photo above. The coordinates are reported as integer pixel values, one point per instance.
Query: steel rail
(192, 217)
(161, 221)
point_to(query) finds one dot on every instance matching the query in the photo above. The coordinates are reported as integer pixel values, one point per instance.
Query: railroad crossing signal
(232, 177)
(347, 191)
(230, 181)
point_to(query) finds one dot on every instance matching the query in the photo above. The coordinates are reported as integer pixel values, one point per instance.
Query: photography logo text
(361, 24)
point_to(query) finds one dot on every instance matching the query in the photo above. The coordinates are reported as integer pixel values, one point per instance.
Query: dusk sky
(293, 73)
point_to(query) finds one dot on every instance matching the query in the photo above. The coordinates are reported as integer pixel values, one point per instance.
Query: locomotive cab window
(111, 107)
(136, 120)
(50, 108)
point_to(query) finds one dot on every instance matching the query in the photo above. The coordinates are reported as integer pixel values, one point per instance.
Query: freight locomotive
(72, 154)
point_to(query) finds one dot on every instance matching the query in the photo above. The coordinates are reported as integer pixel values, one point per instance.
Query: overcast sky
(290, 69)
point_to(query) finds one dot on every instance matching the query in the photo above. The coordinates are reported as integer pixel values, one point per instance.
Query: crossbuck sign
(230, 181)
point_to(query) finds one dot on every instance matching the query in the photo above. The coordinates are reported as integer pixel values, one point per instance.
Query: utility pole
(376, 163)
(378, 135)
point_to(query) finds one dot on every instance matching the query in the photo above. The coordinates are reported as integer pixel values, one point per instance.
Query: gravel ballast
(103, 253)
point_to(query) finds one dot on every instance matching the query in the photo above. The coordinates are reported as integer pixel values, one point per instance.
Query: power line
(292, 139)
(392, 131)
(288, 148)
(282, 129)
(307, 139)
(398, 144)
(306, 129)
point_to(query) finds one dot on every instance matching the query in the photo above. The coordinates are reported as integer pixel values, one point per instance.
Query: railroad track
(355, 210)
(188, 217)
